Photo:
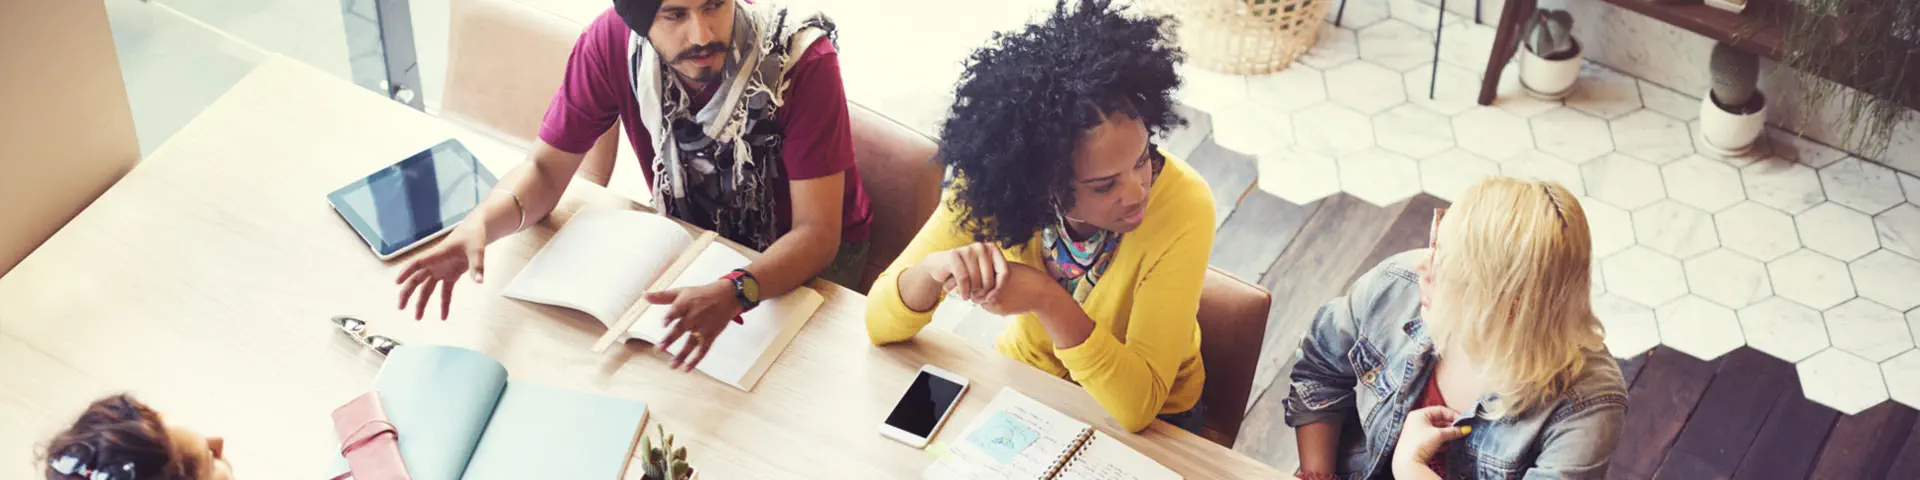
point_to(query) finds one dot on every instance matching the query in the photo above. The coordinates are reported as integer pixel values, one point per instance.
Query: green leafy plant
(1873, 43)
(666, 461)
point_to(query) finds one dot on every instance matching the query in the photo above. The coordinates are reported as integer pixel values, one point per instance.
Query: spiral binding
(1072, 454)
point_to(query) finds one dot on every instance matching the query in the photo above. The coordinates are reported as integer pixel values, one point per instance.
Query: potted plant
(1733, 112)
(1552, 59)
(1870, 42)
(665, 462)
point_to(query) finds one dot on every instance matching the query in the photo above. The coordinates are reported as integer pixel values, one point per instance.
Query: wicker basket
(1246, 37)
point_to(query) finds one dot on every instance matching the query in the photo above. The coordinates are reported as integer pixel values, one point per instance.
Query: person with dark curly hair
(1063, 214)
(119, 438)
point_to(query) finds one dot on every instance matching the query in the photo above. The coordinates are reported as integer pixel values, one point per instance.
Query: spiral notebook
(1018, 437)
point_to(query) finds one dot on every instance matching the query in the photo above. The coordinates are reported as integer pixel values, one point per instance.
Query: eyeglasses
(69, 464)
(357, 330)
(1433, 231)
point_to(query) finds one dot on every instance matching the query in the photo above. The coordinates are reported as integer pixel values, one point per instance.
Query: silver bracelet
(517, 206)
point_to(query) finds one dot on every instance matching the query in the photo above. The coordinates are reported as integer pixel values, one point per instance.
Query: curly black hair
(1026, 99)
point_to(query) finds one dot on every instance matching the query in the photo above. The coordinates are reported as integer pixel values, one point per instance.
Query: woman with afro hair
(1064, 215)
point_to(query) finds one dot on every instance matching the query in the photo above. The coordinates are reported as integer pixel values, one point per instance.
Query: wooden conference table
(204, 280)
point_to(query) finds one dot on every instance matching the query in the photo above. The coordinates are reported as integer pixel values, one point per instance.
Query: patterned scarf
(716, 168)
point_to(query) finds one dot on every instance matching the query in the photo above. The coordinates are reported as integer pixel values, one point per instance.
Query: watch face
(750, 288)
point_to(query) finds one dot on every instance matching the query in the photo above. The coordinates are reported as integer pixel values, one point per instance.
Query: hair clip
(70, 465)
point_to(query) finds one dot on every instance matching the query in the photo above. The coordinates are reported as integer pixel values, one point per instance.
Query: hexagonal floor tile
(1674, 104)
(1913, 324)
(1571, 135)
(1378, 176)
(1359, 15)
(1868, 329)
(1365, 87)
(1788, 331)
(1458, 92)
(1703, 183)
(1604, 93)
(1252, 128)
(1413, 131)
(1862, 185)
(1792, 146)
(1841, 380)
(1513, 98)
(1208, 90)
(1644, 276)
(1911, 184)
(1465, 45)
(1728, 278)
(1651, 136)
(1448, 174)
(1782, 184)
(1610, 227)
(1675, 229)
(1699, 328)
(1899, 229)
(1395, 44)
(1838, 231)
(1889, 278)
(1332, 130)
(1492, 133)
(1422, 15)
(1623, 181)
(1810, 278)
(1631, 329)
(1903, 378)
(1544, 166)
(1297, 87)
(1757, 230)
(1298, 177)
(1336, 46)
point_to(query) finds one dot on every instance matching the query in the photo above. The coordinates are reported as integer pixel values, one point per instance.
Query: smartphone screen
(924, 403)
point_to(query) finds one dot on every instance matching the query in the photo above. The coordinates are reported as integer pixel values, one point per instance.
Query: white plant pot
(1549, 79)
(1727, 133)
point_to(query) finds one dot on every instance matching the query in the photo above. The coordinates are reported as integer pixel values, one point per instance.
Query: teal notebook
(459, 418)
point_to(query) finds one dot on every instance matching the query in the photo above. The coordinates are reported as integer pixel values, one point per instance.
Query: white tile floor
(1798, 250)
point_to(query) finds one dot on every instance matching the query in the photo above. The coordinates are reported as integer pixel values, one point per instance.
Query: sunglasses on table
(356, 329)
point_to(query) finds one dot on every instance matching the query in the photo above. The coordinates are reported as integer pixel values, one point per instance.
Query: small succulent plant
(666, 461)
(1551, 35)
(1735, 77)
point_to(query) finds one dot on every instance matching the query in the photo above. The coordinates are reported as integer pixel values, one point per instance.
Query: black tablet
(416, 200)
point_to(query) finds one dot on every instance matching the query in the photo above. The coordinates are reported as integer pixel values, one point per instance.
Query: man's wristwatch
(745, 288)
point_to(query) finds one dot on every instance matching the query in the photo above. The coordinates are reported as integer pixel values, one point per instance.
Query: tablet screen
(414, 199)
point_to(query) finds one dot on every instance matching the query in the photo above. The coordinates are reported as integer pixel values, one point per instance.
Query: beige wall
(66, 132)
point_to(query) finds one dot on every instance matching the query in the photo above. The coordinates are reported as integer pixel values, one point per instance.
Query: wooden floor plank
(1408, 231)
(1736, 404)
(1630, 368)
(1230, 174)
(1253, 237)
(1334, 243)
(1864, 445)
(1180, 142)
(1658, 406)
(1906, 464)
(1789, 442)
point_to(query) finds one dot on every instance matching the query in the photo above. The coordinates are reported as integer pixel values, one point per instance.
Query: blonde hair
(1512, 275)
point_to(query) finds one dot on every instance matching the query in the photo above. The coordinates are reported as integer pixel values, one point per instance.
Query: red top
(1430, 397)
(818, 141)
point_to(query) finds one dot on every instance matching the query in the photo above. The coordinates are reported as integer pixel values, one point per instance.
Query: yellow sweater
(1143, 358)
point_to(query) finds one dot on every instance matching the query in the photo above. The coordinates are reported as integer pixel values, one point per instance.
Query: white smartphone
(924, 407)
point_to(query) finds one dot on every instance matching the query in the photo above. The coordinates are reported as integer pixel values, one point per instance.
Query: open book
(1018, 437)
(603, 262)
(459, 418)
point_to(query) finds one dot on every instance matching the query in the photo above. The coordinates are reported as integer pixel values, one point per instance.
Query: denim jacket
(1368, 356)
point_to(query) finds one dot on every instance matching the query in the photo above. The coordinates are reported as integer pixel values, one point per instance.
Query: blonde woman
(1479, 357)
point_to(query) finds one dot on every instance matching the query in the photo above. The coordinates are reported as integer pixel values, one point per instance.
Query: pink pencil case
(368, 440)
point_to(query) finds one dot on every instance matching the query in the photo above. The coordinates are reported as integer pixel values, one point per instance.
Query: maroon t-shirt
(818, 141)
